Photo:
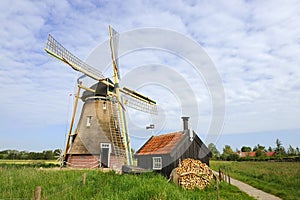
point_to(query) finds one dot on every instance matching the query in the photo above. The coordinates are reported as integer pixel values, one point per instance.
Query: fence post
(217, 185)
(224, 174)
(83, 178)
(229, 176)
(38, 193)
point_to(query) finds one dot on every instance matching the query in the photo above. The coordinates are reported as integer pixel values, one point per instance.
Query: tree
(291, 151)
(297, 151)
(214, 151)
(227, 151)
(24, 155)
(233, 156)
(270, 149)
(246, 149)
(278, 144)
(48, 155)
(259, 147)
(13, 155)
(260, 153)
(279, 148)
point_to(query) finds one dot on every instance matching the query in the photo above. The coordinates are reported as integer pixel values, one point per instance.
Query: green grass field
(21, 183)
(29, 163)
(18, 162)
(279, 178)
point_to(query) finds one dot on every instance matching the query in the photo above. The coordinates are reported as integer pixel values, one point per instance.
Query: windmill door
(105, 154)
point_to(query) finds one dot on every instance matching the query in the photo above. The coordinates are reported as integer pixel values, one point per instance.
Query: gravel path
(256, 193)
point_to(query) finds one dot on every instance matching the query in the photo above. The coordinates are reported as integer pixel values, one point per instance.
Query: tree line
(259, 152)
(25, 155)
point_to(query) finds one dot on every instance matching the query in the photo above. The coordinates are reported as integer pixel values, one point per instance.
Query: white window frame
(106, 145)
(104, 106)
(88, 121)
(157, 163)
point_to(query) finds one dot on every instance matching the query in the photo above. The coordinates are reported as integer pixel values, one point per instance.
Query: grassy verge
(29, 163)
(67, 184)
(279, 178)
(2, 161)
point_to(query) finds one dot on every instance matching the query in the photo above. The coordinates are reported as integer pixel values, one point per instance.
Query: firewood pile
(193, 174)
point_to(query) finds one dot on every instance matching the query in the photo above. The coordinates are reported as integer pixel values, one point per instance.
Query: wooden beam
(72, 120)
(86, 88)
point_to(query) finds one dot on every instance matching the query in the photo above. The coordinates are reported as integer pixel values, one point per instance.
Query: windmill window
(104, 105)
(105, 145)
(88, 121)
(157, 163)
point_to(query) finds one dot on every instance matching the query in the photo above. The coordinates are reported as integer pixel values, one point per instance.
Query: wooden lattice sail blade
(56, 50)
(114, 47)
(140, 105)
(137, 95)
(138, 101)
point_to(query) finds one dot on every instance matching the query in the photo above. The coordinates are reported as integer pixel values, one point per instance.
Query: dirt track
(256, 193)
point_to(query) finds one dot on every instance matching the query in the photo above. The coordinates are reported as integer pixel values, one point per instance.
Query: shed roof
(161, 144)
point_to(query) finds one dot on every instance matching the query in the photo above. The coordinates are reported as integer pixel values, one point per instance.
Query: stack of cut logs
(193, 174)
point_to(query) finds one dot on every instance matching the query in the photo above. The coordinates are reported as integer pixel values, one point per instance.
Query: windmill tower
(101, 138)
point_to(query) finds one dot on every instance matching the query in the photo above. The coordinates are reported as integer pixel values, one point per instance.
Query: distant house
(242, 154)
(253, 154)
(246, 154)
(271, 153)
(163, 153)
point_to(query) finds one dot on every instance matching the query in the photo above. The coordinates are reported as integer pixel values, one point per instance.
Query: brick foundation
(92, 161)
(83, 161)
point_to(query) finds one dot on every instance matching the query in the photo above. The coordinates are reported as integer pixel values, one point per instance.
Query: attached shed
(163, 153)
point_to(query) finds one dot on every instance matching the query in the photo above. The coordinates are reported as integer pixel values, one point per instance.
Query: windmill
(103, 139)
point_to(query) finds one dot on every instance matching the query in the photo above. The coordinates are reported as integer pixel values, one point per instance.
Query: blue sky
(255, 46)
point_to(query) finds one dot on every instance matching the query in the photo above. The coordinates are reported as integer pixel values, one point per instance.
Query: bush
(230, 157)
(233, 157)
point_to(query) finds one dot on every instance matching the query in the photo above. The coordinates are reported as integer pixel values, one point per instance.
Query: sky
(254, 47)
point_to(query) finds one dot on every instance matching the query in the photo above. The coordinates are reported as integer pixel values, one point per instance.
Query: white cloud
(255, 46)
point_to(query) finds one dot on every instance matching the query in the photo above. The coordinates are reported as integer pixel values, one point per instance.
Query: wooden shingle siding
(88, 138)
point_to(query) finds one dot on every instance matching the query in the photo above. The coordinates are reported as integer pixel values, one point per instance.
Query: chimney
(185, 123)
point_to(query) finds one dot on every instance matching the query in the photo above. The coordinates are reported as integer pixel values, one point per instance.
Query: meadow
(20, 182)
(279, 178)
(29, 163)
